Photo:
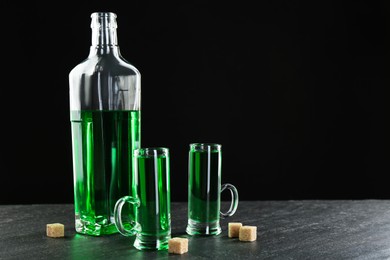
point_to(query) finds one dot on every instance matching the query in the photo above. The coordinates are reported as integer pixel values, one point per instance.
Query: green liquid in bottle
(103, 145)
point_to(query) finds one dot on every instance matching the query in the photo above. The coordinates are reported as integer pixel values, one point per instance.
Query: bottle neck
(104, 34)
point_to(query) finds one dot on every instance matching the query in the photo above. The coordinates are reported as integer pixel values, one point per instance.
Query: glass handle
(134, 226)
(234, 202)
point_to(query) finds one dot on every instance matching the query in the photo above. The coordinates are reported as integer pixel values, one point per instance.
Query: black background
(294, 91)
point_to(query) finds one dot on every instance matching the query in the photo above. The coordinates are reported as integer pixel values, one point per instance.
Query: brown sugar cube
(55, 230)
(234, 229)
(178, 245)
(248, 233)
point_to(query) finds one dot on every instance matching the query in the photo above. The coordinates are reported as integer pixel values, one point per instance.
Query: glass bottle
(105, 95)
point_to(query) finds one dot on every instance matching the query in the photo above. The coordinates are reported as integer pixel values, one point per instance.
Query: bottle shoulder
(110, 64)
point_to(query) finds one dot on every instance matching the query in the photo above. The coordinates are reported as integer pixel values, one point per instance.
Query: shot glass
(204, 190)
(150, 220)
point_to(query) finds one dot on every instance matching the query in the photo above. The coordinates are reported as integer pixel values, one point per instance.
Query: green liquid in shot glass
(204, 186)
(153, 189)
(151, 222)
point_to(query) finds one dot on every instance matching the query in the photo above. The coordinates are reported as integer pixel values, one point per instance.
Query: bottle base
(91, 228)
(203, 228)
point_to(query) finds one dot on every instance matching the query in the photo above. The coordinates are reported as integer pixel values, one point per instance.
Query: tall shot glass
(204, 190)
(151, 221)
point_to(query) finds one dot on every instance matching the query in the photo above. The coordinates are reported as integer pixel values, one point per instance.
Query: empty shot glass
(204, 190)
(151, 218)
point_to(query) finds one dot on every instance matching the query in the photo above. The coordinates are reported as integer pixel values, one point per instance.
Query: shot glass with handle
(205, 188)
(151, 221)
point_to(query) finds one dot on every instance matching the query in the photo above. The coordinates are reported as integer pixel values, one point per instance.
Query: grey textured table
(308, 229)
